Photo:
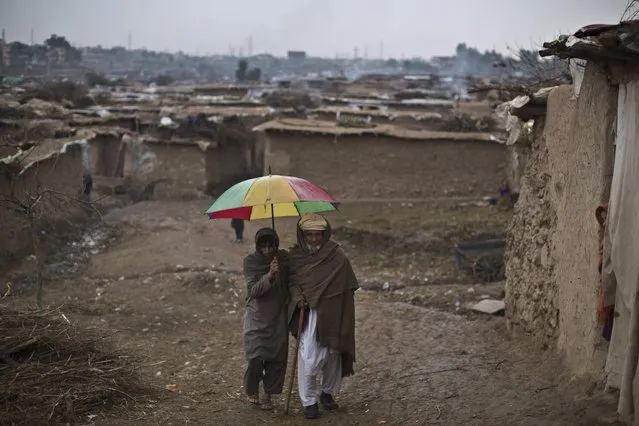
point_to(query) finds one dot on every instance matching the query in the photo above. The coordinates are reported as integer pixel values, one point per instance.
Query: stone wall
(531, 286)
(553, 281)
(386, 167)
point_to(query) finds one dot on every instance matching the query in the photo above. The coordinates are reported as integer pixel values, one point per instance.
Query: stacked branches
(53, 371)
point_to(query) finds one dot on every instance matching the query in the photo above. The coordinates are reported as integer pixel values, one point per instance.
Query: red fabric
(602, 310)
(594, 30)
(243, 213)
(306, 191)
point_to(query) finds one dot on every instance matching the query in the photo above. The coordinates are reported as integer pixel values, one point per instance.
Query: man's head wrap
(312, 222)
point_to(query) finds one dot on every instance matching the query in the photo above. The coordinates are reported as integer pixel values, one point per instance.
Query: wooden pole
(291, 381)
(272, 217)
(272, 206)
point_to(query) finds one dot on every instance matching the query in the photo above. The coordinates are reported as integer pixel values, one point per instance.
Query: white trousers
(314, 360)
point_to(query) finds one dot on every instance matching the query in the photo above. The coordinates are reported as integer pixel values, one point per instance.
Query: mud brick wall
(227, 165)
(183, 164)
(105, 155)
(358, 167)
(553, 281)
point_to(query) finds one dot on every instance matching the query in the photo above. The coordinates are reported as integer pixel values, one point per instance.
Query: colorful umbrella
(270, 197)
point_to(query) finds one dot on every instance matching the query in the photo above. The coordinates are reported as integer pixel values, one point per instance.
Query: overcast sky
(321, 27)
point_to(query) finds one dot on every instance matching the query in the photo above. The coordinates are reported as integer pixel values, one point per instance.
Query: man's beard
(314, 249)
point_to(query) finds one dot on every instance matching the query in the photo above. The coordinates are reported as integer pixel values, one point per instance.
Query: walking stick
(297, 350)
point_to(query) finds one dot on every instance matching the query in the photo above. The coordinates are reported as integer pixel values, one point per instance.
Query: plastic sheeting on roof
(577, 68)
(623, 229)
(630, 41)
(26, 158)
(517, 130)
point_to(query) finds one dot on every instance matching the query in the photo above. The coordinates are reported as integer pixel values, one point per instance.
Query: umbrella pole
(273, 217)
(272, 207)
(291, 381)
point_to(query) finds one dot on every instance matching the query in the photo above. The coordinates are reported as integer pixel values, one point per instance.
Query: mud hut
(222, 90)
(53, 170)
(179, 163)
(383, 161)
(408, 120)
(189, 165)
(195, 154)
(440, 106)
(108, 152)
(570, 279)
(238, 154)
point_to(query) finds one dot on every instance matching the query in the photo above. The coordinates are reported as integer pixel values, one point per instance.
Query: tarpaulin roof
(593, 30)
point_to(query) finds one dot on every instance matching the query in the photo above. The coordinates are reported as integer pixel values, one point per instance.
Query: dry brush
(53, 371)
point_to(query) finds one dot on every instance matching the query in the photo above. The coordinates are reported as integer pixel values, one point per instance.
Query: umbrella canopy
(269, 197)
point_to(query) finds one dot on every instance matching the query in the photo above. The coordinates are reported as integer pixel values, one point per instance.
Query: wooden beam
(588, 52)
(529, 111)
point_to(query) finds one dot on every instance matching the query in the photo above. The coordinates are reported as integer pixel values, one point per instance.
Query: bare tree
(631, 11)
(535, 73)
(34, 206)
(541, 71)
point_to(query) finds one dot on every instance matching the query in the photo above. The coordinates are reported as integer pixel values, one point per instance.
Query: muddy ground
(164, 283)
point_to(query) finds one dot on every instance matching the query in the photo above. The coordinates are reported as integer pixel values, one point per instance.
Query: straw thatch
(52, 371)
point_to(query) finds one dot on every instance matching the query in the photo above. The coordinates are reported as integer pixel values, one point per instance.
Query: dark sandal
(311, 412)
(328, 402)
(266, 403)
(254, 399)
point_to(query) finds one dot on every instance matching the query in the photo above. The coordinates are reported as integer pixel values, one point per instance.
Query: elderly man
(322, 282)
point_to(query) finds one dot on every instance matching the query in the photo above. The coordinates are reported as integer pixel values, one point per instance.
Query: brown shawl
(326, 281)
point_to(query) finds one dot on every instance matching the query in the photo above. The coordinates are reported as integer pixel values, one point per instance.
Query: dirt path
(168, 290)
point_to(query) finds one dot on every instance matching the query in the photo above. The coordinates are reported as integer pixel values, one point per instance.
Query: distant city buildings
(58, 58)
(296, 54)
